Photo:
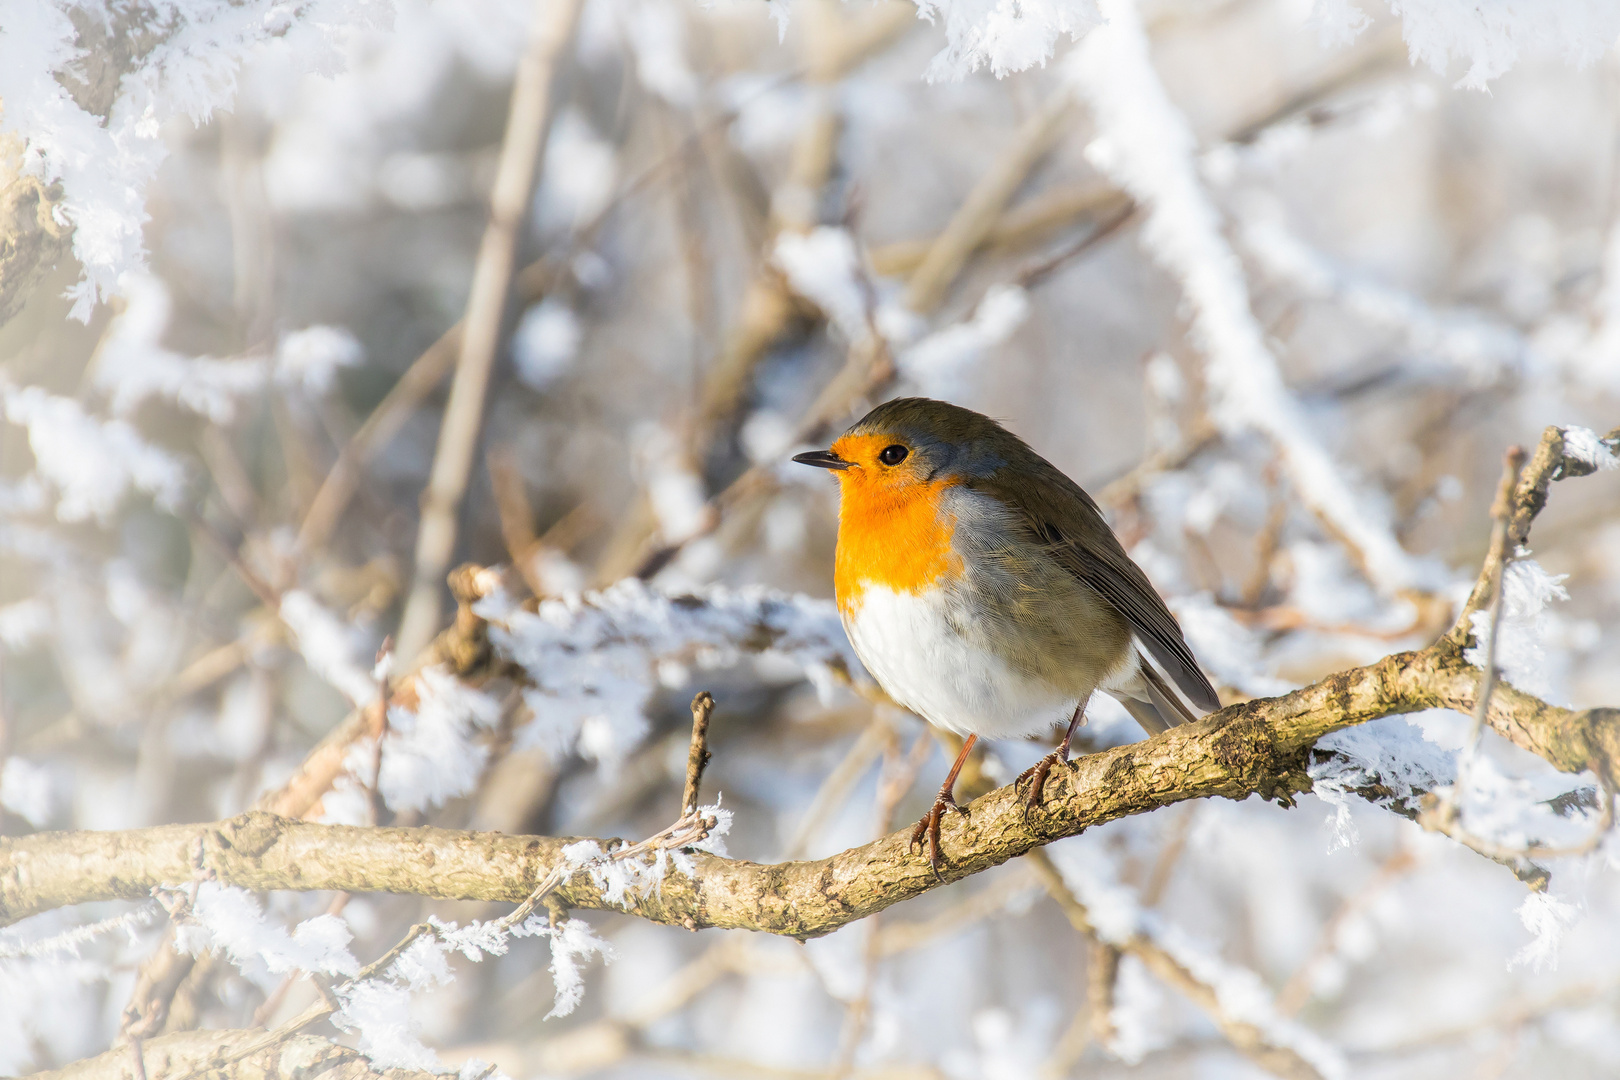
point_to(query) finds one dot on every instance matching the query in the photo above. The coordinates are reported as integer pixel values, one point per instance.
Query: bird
(984, 591)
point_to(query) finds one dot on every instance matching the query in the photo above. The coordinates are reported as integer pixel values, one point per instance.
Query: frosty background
(1277, 281)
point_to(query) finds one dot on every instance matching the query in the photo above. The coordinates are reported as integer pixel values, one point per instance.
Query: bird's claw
(929, 827)
(1036, 774)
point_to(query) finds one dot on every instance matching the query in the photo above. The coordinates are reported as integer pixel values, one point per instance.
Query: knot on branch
(1601, 728)
(465, 645)
(251, 834)
(1246, 747)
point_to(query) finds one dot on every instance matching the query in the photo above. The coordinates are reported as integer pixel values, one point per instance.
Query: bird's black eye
(893, 455)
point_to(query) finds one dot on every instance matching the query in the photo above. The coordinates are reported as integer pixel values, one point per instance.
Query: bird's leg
(929, 825)
(1038, 772)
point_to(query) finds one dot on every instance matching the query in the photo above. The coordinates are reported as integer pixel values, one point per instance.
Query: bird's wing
(1062, 516)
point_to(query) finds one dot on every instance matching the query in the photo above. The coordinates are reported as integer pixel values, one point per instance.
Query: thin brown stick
(1496, 565)
(522, 149)
(1102, 976)
(1017, 227)
(697, 756)
(293, 1057)
(426, 372)
(977, 216)
(898, 777)
(516, 515)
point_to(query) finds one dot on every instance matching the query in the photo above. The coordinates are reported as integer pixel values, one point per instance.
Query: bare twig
(697, 756)
(517, 524)
(977, 216)
(1102, 976)
(899, 775)
(522, 149)
(837, 783)
(292, 1057)
(1496, 564)
(385, 421)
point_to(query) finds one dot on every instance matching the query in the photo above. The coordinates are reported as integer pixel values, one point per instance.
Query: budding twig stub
(697, 755)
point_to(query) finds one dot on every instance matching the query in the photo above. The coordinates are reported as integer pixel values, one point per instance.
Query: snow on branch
(93, 464)
(1239, 995)
(593, 660)
(1489, 37)
(1262, 746)
(1146, 146)
(173, 58)
(133, 365)
(1481, 348)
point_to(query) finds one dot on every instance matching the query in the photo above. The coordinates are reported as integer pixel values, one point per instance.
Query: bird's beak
(823, 459)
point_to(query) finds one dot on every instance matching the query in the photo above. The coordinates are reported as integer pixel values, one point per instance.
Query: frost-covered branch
(1235, 999)
(1257, 747)
(294, 1057)
(1262, 747)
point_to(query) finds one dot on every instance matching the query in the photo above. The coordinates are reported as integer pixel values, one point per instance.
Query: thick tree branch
(1257, 747)
(294, 1057)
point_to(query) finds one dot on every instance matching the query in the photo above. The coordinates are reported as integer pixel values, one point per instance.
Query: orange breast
(893, 536)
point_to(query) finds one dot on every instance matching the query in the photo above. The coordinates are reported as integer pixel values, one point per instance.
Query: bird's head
(916, 442)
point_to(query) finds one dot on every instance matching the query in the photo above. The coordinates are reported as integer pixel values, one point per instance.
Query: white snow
(1145, 145)
(596, 658)
(105, 164)
(941, 363)
(1546, 917)
(309, 359)
(228, 919)
(823, 266)
(328, 646)
(1587, 447)
(1005, 36)
(93, 464)
(1521, 654)
(545, 342)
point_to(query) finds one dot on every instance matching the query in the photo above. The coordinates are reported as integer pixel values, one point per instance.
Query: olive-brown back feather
(1061, 516)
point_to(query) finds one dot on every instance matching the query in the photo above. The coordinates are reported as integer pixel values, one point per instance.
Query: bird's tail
(1152, 702)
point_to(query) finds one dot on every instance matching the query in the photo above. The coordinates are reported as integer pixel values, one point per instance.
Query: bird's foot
(929, 827)
(1037, 773)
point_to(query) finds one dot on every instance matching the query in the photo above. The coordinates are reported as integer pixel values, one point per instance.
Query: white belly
(911, 648)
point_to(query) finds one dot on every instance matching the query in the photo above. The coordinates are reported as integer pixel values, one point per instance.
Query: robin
(983, 590)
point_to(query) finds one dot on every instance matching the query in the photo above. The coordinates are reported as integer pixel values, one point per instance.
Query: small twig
(384, 653)
(522, 150)
(898, 776)
(976, 217)
(1496, 563)
(1244, 1035)
(697, 756)
(836, 784)
(317, 1012)
(1038, 271)
(267, 1009)
(1159, 878)
(1519, 856)
(1102, 977)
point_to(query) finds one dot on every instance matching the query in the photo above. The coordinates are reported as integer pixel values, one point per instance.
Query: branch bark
(1256, 747)
(294, 1057)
